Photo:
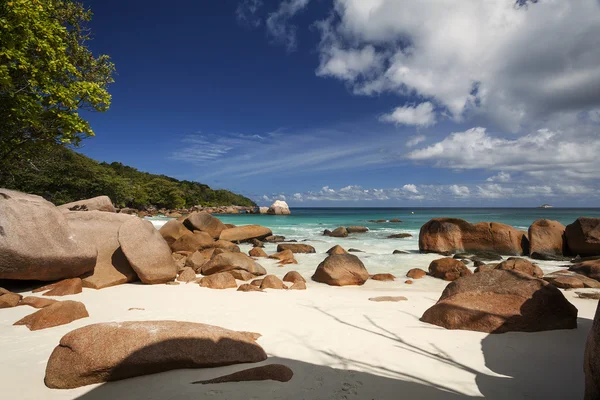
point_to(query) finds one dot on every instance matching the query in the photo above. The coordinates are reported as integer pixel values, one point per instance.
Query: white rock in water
(280, 207)
(263, 210)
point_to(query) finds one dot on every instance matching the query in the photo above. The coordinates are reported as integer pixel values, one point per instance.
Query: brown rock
(351, 250)
(298, 285)
(408, 282)
(416, 273)
(256, 282)
(36, 302)
(197, 260)
(101, 229)
(59, 313)
(293, 276)
(230, 261)
(485, 267)
(193, 241)
(341, 270)
(583, 237)
(400, 236)
(241, 275)
(9, 299)
(63, 288)
(272, 282)
(547, 237)
(100, 203)
(247, 232)
(448, 269)
(453, 235)
(226, 245)
(338, 232)
(388, 298)
(204, 222)
(283, 255)
(296, 248)
(91, 355)
(173, 230)
(588, 295)
(187, 275)
(274, 239)
(147, 251)
(383, 277)
(591, 269)
(221, 280)
(257, 252)
(36, 241)
(521, 265)
(248, 288)
(337, 249)
(357, 229)
(570, 280)
(271, 372)
(400, 252)
(502, 301)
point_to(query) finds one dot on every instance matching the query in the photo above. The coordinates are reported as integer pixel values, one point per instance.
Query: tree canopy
(47, 76)
(63, 175)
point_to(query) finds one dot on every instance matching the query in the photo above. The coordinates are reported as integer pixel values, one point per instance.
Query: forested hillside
(63, 175)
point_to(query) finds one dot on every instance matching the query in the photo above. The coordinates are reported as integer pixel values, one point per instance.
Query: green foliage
(62, 175)
(47, 76)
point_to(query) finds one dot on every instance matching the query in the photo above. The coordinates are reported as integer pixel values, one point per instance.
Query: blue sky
(357, 102)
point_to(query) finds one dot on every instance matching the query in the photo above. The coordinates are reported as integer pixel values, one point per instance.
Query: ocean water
(306, 225)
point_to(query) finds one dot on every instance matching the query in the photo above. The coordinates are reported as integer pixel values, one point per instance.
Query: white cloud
(415, 140)
(543, 154)
(500, 177)
(460, 191)
(514, 65)
(278, 25)
(420, 115)
(246, 12)
(410, 188)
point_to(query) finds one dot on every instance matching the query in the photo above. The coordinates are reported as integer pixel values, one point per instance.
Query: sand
(339, 344)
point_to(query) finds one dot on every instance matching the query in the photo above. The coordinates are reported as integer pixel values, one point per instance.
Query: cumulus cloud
(541, 154)
(500, 177)
(512, 62)
(460, 191)
(419, 115)
(415, 140)
(410, 188)
(278, 25)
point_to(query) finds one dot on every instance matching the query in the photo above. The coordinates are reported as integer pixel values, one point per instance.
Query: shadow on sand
(544, 365)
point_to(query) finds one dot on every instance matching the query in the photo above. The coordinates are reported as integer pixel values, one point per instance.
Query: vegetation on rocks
(63, 175)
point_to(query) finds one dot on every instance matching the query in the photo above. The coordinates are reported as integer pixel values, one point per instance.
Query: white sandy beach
(339, 344)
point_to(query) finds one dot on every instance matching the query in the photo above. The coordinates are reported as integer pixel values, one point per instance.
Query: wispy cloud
(278, 25)
(247, 13)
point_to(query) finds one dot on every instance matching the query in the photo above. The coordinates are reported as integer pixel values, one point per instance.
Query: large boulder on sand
(500, 301)
(279, 207)
(448, 269)
(221, 280)
(337, 249)
(522, 265)
(296, 248)
(100, 203)
(119, 350)
(591, 360)
(59, 313)
(36, 241)
(229, 261)
(341, 270)
(203, 221)
(293, 277)
(244, 233)
(101, 229)
(173, 230)
(193, 242)
(453, 235)
(147, 251)
(583, 237)
(547, 238)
